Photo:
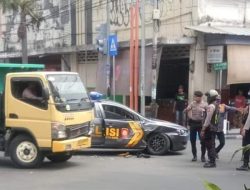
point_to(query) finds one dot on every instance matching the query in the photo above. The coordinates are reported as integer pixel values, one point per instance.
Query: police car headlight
(58, 130)
(181, 131)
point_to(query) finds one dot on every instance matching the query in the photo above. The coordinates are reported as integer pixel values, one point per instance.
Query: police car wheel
(158, 144)
(62, 157)
(24, 153)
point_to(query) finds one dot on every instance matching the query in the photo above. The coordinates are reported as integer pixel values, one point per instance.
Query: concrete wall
(175, 15)
(87, 72)
(54, 32)
(201, 79)
(224, 12)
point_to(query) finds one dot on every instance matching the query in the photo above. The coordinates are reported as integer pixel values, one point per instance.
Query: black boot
(244, 167)
(203, 159)
(209, 165)
(217, 156)
(194, 159)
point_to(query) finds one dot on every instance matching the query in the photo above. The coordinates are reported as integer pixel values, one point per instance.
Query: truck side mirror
(46, 93)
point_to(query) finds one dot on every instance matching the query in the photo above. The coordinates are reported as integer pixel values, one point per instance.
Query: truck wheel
(24, 152)
(62, 157)
(158, 144)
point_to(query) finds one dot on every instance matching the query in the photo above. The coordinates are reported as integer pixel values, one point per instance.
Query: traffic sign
(113, 44)
(220, 66)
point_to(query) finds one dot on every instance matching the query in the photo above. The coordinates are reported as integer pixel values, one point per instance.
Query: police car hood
(154, 124)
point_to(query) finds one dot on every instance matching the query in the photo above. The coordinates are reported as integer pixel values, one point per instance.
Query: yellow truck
(43, 114)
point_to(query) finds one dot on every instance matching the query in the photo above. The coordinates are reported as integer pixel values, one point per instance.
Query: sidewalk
(233, 134)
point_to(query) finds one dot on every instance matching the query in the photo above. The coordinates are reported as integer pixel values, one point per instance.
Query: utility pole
(142, 69)
(156, 17)
(108, 58)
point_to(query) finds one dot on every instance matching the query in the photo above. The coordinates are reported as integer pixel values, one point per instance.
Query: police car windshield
(69, 89)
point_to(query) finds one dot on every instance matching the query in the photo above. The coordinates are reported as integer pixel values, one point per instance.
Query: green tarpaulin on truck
(14, 67)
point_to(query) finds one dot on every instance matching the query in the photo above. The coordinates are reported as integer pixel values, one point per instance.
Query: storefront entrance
(174, 71)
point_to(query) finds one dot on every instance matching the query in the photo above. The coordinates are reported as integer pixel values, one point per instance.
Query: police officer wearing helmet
(209, 128)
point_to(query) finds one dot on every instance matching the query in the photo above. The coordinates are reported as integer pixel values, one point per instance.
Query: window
(114, 112)
(29, 90)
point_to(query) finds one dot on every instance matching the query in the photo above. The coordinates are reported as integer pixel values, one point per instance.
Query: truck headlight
(58, 131)
(91, 128)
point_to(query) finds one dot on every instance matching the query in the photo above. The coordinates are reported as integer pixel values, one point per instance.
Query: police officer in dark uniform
(209, 128)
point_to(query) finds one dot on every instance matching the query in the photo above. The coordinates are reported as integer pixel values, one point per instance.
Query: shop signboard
(220, 66)
(214, 54)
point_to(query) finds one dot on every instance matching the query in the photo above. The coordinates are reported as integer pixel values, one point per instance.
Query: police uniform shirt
(197, 110)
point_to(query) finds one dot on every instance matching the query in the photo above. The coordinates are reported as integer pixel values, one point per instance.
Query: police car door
(120, 126)
(98, 136)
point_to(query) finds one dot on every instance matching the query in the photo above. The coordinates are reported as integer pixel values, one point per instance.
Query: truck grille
(74, 131)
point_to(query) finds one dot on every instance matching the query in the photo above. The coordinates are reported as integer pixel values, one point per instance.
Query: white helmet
(212, 95)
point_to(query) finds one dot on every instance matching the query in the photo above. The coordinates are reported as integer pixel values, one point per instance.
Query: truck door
(121, 129)
(24, 112)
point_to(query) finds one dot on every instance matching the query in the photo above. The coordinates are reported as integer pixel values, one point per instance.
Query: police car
(117, 126)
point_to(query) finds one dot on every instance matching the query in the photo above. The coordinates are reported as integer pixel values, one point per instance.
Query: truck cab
(53, 125)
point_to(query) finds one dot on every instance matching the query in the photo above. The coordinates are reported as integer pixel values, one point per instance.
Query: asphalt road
(108, 171)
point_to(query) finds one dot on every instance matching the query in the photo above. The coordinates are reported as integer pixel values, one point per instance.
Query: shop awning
(238, 57)
(240, 31)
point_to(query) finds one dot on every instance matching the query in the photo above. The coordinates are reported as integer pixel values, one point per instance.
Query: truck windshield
(68, 92)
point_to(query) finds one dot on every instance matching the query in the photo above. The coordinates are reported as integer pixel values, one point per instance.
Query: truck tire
(24, 153)
(57, 158)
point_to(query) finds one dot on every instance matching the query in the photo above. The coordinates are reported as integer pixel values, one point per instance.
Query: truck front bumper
(71, 144)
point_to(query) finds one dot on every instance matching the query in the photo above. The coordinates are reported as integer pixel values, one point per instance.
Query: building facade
(186, 30)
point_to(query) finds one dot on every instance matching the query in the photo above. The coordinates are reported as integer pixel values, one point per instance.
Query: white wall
(201, 79)
(224, 12)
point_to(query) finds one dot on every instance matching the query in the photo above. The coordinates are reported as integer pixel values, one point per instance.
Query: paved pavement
(107, 171)
(233, 134)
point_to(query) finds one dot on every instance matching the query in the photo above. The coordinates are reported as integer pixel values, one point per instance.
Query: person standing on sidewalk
(179, 106)
(209, 128)
(239, 102)
(246, 141)
(223, 110)
(196, 113)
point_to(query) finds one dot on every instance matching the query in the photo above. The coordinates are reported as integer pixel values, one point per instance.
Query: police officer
(196, 112)
(209, 128)
(246, 141)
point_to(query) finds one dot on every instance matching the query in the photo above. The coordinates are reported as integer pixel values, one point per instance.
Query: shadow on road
(6, 163)
(120, 153)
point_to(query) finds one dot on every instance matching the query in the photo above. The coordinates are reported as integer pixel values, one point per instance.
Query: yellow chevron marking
(138, 134)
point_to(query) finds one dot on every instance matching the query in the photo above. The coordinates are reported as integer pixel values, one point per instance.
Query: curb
(232, 136)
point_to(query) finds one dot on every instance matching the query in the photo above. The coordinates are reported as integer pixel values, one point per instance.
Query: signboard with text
(220, 66)
(214, 54)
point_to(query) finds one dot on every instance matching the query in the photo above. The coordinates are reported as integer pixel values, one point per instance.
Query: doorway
(173, 71)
